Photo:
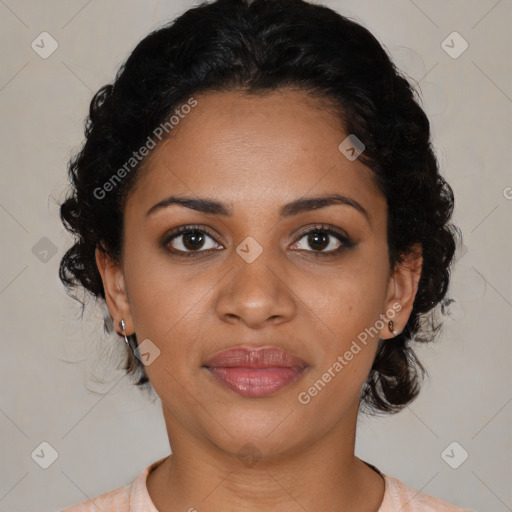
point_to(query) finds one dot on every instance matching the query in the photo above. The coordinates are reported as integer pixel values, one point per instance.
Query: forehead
(254, 152)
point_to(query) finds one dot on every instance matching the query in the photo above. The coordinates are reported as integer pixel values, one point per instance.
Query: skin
(257, 153)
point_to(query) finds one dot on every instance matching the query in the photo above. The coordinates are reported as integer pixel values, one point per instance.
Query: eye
(325, 241)
(188, 240)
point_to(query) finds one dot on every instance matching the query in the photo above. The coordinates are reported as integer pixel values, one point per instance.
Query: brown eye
(323, 240)
(193, 240)
(188, 239)
(318, 240)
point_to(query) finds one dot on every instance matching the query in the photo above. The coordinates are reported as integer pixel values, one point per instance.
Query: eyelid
(180, 230)
(325, 227)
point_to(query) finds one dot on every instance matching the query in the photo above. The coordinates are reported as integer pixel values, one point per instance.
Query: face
(257, 272)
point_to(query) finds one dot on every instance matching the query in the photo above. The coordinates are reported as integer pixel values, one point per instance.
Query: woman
(258, 204)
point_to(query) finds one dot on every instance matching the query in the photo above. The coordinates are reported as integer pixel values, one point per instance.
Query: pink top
(134, 497)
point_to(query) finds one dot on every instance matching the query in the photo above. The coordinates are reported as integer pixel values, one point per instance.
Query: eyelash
(324, 228)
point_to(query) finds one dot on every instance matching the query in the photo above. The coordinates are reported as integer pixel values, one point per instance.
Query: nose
(256, 293)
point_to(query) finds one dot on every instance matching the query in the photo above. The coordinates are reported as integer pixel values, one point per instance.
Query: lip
(255, 372)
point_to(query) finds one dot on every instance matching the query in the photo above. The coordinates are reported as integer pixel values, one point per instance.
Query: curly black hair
(256, 47)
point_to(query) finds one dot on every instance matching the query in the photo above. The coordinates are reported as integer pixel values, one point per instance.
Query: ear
(403, 285)
(116, 295)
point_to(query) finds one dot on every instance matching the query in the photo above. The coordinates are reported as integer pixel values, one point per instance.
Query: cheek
(167, 310)
(170, 307)
(345, 352)
(156, 303)
(159, 295)
(351, 300)
(344, 313)
(347, 347)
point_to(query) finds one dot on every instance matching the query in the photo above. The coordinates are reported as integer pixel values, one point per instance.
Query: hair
(257, 47)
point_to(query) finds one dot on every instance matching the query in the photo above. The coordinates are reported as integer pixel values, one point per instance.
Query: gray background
(60, 380)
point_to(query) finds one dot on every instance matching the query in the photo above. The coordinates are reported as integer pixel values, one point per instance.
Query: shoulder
(132, 497)
(400, 496)
(117, 500)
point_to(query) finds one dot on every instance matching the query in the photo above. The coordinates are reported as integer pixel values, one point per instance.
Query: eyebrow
(302, 205)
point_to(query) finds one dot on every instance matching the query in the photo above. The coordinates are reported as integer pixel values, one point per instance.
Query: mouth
(256, 372)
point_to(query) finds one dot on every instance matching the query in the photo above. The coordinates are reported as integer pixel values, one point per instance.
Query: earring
(390, 325)
(123, 326)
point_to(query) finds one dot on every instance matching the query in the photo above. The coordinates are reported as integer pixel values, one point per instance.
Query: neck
(323, 475)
